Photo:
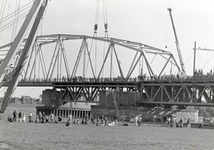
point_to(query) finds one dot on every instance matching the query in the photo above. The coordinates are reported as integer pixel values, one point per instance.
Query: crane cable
(21, 16)
(188, 58)
(95, 31)
(20, 10)
(97, 13)
(105, 17)
(16, 16)
(3, 6)
(41, 24)
(2, 13)
(94, 35)
(207, 61)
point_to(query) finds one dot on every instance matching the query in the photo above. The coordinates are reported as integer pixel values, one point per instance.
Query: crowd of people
(41, 117)
(171, 122)
(19, 117)
(99, 121)
(198, 75)
(138, 120)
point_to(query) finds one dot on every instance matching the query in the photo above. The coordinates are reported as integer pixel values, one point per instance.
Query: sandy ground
(37, 136)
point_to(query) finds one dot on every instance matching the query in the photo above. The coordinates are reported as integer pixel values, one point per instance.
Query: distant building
(52, 103)
(15, 100)
(27, 100)
(33, 101)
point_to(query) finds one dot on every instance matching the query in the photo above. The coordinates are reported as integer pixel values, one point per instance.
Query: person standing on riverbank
(51, 118)
(20, 116)
(24, 117)
(70, 119)
(14, 115)
(30, 116)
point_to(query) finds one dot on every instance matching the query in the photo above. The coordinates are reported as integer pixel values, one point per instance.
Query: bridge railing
(130, 80)
(80, 80)
(176, 78)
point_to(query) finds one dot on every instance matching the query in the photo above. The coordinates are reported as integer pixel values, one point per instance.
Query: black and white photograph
(106, 75)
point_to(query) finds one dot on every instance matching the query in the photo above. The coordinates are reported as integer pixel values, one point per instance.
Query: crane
(177, 44)
(13, 77)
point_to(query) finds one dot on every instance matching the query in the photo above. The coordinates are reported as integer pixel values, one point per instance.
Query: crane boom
(177, 43)
(38, 6)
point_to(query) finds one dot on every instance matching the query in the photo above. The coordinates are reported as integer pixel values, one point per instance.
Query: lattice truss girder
(178, 92)
(49, 58)
(69, 93)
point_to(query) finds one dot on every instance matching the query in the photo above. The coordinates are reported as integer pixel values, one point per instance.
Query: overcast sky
(145, 21)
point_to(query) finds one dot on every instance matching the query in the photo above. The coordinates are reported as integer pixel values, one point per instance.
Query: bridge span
(75, 65)
(165, 91)
(82, 68)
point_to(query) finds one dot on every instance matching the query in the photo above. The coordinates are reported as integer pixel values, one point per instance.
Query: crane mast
(39, 8)
(177, 43)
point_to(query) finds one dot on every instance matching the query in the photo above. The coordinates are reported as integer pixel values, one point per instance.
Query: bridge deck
(114, 83)
(160, 92)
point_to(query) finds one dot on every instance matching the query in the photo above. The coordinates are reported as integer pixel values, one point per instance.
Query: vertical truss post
(193, 85)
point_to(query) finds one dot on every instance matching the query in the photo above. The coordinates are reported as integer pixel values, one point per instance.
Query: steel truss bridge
(84, 65)
(80, 66)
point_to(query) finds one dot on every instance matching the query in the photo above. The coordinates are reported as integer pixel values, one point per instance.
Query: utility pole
(194, 61)
(193, 84)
